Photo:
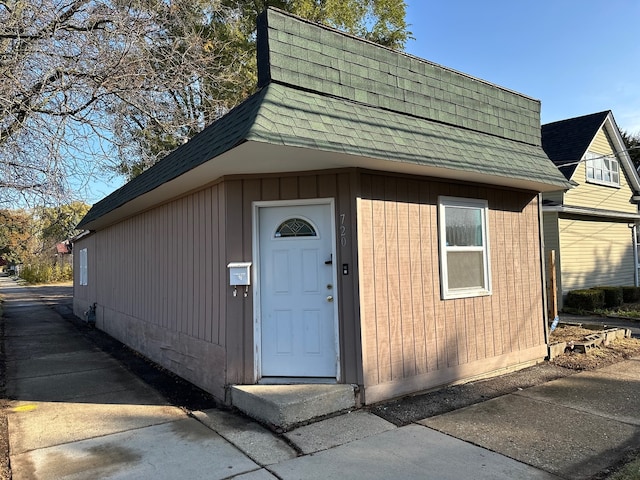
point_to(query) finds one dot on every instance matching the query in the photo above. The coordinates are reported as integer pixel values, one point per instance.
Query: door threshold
(297, 380)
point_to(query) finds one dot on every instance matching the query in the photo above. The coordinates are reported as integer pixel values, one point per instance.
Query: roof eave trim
(591, 212)
(622, 153)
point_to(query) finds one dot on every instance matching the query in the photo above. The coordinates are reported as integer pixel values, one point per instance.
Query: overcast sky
(575, 56)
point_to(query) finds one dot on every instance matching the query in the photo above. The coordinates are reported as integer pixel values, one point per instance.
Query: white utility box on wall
(239, 273)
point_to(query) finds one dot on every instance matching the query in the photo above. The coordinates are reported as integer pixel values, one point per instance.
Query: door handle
(329, 298)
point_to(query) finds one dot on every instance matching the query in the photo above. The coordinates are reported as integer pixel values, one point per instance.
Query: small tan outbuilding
(388, 208)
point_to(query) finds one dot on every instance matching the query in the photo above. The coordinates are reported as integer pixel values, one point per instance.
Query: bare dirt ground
(616, 351)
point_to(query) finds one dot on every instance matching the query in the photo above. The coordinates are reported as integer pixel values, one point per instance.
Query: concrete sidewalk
(77, 413)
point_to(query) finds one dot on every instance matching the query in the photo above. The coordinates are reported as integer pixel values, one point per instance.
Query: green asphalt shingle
(320, 59)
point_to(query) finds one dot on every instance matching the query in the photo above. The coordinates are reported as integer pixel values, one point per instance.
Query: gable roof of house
(324, 90)
(566, 141)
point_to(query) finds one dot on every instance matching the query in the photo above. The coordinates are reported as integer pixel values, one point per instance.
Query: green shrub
(44, 272)
(630, 294)
(587, 300)
(612, 296)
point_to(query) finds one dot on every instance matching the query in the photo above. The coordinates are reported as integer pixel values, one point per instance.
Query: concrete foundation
(284, 406)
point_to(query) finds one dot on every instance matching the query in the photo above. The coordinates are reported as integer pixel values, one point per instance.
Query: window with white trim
(602, 169)
(464, 248)
(83, 267)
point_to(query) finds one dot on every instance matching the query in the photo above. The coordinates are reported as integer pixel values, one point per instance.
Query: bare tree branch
(79, 79)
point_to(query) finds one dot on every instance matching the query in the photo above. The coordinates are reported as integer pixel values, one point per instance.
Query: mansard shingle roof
(322, 89)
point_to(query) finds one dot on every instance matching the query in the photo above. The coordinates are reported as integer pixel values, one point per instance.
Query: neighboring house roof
(567, 141)
(366, 106)
(63, 247)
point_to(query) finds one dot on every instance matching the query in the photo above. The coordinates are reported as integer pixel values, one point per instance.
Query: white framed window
(83, 267)
(602, 169)
(464, 247)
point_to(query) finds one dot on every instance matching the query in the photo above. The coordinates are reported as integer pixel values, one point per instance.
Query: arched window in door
(295, 227)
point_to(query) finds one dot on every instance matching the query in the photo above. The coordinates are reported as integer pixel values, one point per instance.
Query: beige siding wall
(242, 192)
(411, 338)
(84, 295)
(161, 283)
(160, 286)
(595, 253)
(600, 196)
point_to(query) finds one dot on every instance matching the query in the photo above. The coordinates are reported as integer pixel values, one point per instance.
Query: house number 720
(343, 230)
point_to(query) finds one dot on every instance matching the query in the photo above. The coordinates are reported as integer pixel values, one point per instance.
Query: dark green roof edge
(219, 137)
(309, 120)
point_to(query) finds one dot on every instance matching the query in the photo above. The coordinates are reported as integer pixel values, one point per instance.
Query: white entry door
(297, 295)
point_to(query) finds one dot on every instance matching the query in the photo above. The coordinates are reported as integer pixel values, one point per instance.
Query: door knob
(330, 298)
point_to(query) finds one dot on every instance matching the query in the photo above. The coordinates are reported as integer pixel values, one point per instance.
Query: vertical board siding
(407, 329)
(242, 193)
(366, 267)
(154, 267)
(84, 295)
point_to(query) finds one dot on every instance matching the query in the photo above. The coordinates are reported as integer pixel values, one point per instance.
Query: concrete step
(284, 406)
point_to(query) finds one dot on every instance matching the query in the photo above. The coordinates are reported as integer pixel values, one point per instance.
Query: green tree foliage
(16, 235)
(39, 271)
(632, 143)
(29, 235)
(56, 224)
(380, 21)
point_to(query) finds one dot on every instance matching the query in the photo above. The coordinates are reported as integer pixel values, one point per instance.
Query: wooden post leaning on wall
(552, 297)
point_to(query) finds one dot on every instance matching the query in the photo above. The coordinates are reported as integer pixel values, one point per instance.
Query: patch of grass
(631, 471)
(627, 310)
(621, 312)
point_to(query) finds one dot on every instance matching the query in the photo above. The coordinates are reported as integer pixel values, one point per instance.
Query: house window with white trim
(602, 169)
(464, 248)
(84, 277)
